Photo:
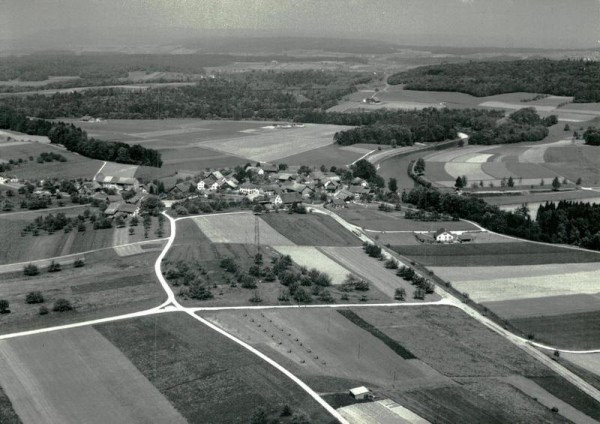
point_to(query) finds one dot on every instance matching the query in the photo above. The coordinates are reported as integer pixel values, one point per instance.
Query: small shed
(361, 393)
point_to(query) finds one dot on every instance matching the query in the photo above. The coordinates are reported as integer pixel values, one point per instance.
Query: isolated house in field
(443, 236)
(360, 393)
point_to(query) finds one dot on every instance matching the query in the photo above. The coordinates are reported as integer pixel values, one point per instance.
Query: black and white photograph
(299, 211)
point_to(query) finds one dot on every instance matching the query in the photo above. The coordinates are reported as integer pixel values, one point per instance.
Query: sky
(460, 23)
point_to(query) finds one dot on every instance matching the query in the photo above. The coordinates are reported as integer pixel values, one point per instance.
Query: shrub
(301, 296)
(361, 285)
(62, 305)
(400, 294)
(31, 270)
(54, 267)
(34, 297)
(325, 296)
(4, 305)
(43, 310)
(199, 292)
(391, 263)
(247, 281)
(255, 298)
(229, 265)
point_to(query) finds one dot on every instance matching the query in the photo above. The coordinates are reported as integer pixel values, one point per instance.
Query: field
(568, 331)
(192, 244)
(325, 349)
(372, 219)
(77, 166)
(269, 143)
(460, 348)
(372, 270)
(557, 303)
(112, 169)
(331, 155)
(311, 229)
(381, 411)
(48, 378)
(589, 362)
(205, 376)
(490, 164)
(574, 162)
(198, 144)
(454, 379)
(239, 228)
(494, 254)
(311, 257)
(16, 249)
(107, 284)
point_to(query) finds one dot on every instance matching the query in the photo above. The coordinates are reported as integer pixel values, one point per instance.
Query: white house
(443, 236)
(249, 188)
(361, 393)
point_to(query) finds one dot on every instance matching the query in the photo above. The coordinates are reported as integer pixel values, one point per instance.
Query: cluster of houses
(270, 186)
(443, 236)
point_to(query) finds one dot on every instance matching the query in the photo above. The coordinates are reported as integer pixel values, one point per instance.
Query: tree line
(569, 222)
(577, 78)
(76, 140)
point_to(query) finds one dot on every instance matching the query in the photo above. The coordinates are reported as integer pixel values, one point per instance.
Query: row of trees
(576, 78)
(76, 140)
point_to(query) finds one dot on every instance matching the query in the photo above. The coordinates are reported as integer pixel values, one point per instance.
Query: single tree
(459, 183)
(578, 182)
(511, 182)
(393, 185)
(555, 184)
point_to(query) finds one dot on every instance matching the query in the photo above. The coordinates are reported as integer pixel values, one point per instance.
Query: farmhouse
(249, 188)
(443, 236)
(361, 393)
(269, 168)
(118, 183)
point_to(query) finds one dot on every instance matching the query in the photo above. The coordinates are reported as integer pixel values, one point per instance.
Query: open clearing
(311, 229)
(77, 376)
(207, 377)
(494, 254)
(330, 155)
(269, 144)
(311, 257)
(239, 228)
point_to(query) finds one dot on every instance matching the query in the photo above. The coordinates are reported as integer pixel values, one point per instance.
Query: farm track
(172, 305)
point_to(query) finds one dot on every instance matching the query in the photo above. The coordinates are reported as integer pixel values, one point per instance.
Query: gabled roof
(124, 207)
(268, 167)
(112, 208)
(441, 231)
(290, 198)
(344, 194)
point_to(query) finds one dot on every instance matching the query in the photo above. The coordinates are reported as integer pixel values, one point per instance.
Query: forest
(250, 95)
(569, 222)
(404, 128)
(76, 140)
(577, 78)
(592, 136)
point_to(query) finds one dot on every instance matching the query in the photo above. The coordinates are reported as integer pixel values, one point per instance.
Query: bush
(62, 305)
(391, 263)
(4, 305)
(255, 298)
(31, 270)
(54, 267)
(34, 297)
(229, 265)
(199, 292)
(400, 294)
(43, 310)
